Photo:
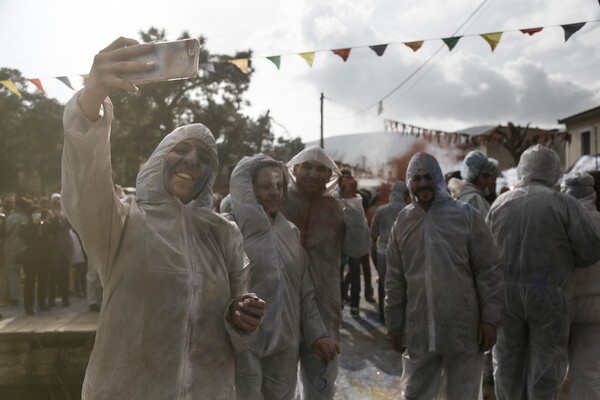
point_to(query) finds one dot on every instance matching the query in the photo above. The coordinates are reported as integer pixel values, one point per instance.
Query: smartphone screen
(173, 60)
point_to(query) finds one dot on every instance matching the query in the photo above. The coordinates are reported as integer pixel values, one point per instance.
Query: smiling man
(443, 288)
(328, 226)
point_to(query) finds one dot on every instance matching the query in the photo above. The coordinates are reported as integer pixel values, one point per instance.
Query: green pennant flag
(451, 41)
(275, 60)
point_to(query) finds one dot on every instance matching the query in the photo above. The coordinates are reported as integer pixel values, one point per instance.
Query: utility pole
(322, 141)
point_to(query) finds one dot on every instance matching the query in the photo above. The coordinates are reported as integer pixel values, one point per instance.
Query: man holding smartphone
(174, 272)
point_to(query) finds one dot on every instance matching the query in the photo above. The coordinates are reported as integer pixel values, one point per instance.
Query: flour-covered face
(422, 187)
(268, 188)
(187, 169)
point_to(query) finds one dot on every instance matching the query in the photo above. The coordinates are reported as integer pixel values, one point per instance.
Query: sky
(527, 79)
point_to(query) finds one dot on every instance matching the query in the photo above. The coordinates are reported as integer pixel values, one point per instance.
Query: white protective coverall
(474, 164)
(169, 272)
(381, 227)
(542, 236)
(328, 226)
(443, 280)
(584, 287)
(268, 369)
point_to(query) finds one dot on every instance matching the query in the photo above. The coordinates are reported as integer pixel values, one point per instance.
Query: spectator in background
(382, 224)
(542, 236)
(62, 248)
(38, 255)
(14, 245)
(584, 288)
(8, 206)
(479, 174)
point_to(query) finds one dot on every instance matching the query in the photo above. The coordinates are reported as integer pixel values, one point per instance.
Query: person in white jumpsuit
(268, 369)
(443, 286)
(384, 219)
(542, 236)
(584, 288)
(327, 227)
(173, 271)
(478, 180)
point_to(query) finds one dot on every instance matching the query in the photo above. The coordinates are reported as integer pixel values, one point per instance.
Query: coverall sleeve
(583, 235)
(88, 197)
(395, 287)
(356, 238)
(312, 323)
(485, 264)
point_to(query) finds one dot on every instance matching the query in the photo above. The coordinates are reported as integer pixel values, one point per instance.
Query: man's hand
(486, 337)
(396, 341)
(349, 184)
(247, 311)
(326, 348)
(104, 77)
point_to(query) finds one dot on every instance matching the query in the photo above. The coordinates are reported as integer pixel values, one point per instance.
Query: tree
(30, 139)
(215, 99)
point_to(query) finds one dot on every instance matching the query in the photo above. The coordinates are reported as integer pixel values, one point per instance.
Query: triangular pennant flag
(85, 76)
(309, 57)
(275, 60)
(241, 63)
(570, 29)
(492, 38)
(65, 80)
(414, 45)
(344, 53)
(38, 84)
(379, 49)
(531, 31)
(451, 41)
(11, 86)
(209, 67)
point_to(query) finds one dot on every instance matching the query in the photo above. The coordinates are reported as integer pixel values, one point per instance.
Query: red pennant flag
(38, 84)
(531, 31)
(344, 53)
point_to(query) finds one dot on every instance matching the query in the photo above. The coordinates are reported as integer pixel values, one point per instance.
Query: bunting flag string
(244, 64)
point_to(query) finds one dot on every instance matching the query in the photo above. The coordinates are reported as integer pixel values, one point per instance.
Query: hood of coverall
(426, 163)
(477, 163)
(398, 192)
(150, 185)
(315, 153)
(538, 164)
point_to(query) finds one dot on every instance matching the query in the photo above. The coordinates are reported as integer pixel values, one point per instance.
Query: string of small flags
(244, 64)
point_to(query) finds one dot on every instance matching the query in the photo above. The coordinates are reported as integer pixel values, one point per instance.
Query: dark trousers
(35, 271)
(354, 266)
(80, 280)
(59, 277)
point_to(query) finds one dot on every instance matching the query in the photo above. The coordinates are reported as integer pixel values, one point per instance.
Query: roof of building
(592, 112)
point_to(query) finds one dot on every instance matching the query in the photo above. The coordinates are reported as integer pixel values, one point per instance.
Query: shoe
(94, 307)
(370, 299)
(29, 311)
(355, 311)
(369, 295)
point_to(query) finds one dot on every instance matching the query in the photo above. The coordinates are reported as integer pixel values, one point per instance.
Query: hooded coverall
(443, 281)
(584, 288)
(542, 236)
(169, 272)
(328, 226)
(268, 368)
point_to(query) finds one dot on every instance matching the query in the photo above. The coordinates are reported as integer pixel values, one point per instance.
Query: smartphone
(173, 60)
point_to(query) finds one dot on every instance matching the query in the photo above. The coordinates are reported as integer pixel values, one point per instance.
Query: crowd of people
(202, 304)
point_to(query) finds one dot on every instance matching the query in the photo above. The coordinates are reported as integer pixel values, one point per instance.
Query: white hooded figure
(478, 173)
(443, 288)
(327, 226)
(170, 266)
(584, 288)
(268, 369)
(542, 236)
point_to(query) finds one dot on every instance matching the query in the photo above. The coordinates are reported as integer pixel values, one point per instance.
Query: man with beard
(443, 288)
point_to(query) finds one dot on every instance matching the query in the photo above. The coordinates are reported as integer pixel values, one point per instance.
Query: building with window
(583, 129)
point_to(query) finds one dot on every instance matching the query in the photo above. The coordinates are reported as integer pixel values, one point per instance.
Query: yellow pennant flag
(241, 63)
(309, 57)
(11, 86)
(414, 45)
(492, 38)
